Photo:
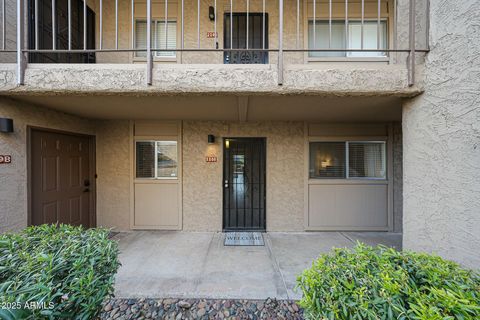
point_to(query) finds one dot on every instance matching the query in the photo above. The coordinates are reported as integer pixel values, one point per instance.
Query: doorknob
(226, 183)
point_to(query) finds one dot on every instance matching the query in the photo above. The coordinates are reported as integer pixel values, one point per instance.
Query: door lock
(226, 183)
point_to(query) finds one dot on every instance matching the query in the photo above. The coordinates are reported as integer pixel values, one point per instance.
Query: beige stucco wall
(13, 177)
(113, 163)
(113, 170)
(397, 177)
(398, 35)
(441, 135)
(388, 9)
(202, 181)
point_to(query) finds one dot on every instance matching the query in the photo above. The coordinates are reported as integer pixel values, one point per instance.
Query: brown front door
(61, 178)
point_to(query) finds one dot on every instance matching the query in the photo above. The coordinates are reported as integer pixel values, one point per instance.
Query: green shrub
(67, 271)
(382, 283)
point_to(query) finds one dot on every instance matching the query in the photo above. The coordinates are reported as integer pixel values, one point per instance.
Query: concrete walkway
(164, 264)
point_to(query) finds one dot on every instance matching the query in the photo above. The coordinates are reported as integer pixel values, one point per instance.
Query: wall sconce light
(211, 13)
(6, 125)
(211, 139)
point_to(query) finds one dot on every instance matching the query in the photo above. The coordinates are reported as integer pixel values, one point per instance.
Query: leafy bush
(382, 283)
(55, 272)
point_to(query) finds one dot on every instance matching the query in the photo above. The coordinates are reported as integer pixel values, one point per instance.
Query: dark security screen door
(244, 184)
(45, 31)
(239, 38)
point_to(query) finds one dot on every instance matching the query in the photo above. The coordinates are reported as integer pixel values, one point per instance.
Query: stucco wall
(397, 177)
(223, 6)
(202, 181)
(441, 135)
(113, 169)
(13, 177)
(173, 79)
(398, 8)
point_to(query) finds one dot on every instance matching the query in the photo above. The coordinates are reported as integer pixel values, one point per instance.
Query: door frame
(264, 139)
(92, 169)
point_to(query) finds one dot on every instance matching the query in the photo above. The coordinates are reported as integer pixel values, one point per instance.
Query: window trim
(346, 141)
(386, 58)
(156, 177)
(155, 21)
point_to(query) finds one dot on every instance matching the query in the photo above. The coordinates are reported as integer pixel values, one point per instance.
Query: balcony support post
(149, 43)
(411, 55)
(280, 42)
(21, 61)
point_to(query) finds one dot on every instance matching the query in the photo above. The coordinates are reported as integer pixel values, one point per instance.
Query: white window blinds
(349, 159)
(162, 38)
(366, 160)
(166, 39)
(340, 40)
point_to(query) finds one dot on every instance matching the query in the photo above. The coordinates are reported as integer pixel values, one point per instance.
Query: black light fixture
(211, 13)
(6, 125)
(211, 139)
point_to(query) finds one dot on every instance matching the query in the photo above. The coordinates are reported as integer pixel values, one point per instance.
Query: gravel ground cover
(177, 309)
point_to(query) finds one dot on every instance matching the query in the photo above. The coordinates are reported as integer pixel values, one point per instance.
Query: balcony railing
(314, 30)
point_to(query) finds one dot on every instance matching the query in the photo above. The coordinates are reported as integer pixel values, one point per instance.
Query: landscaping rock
(175, 309)
(184, 304)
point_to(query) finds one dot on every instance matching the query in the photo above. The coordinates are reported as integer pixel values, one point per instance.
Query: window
(327, 160)
(353, 39)
(366, 160)
(156, 159)
(350, 159)
(160, 38)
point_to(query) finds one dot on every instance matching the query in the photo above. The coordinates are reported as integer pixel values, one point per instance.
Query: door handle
(86, 190)
(226, 183)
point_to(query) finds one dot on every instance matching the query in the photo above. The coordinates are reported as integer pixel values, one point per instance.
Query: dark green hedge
(55, 272)
(382, 283)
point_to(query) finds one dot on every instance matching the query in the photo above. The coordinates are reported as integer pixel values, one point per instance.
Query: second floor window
(347, 40)
(163, 37)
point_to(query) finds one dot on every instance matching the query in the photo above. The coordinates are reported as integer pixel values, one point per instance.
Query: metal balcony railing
(333, 19)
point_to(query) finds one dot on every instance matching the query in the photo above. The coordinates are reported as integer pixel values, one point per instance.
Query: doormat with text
(244, 239)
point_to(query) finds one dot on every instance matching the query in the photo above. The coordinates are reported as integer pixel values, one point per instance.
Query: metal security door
(238, 34)
(244, 184)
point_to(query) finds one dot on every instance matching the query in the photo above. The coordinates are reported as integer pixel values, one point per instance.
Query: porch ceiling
(224, 107)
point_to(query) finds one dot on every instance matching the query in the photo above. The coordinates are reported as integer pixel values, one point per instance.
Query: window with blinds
(352, 40)
(145, 159)
(347, 159)
(366, 160)
(164, 36)
(327, 160)
(156, 159)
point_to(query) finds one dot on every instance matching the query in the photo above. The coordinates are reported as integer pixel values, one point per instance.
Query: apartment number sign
(5, 159)
(212, 34)
(211, 158)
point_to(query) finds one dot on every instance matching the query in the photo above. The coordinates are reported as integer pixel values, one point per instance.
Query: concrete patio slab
(168, 264)
(295, 252)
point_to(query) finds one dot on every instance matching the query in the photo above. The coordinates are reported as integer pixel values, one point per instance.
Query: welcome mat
(244, 239)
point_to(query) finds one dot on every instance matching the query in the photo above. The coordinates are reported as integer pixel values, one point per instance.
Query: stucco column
(441, 140)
